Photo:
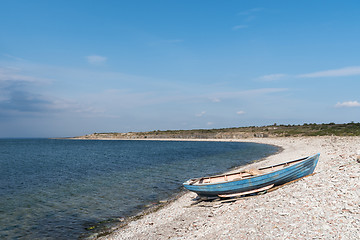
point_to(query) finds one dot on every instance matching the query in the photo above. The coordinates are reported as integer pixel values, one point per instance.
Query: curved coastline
(105, 231)
(305, 209)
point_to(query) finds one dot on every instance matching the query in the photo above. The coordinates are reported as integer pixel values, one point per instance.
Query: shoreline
(149, 209)
(276, 214)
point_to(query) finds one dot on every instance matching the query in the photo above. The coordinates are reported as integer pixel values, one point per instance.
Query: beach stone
(325, 205)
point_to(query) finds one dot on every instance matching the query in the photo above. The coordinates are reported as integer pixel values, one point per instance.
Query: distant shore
(323, 206)
(275, 130)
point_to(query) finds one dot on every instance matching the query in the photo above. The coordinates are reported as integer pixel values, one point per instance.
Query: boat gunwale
(300, 160)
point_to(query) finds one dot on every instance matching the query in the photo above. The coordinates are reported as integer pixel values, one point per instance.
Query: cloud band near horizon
(348, 104)
(340, 72)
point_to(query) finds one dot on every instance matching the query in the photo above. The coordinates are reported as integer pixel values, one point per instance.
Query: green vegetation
(349, 129)
(275, 130)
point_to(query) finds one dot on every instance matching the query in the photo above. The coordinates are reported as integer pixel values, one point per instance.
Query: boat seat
(204, 180)
(253, 171)
(237, 179)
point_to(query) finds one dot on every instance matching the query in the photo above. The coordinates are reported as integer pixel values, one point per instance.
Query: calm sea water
(58, 189)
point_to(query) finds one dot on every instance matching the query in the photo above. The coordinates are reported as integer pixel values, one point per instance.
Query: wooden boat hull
(287, 173)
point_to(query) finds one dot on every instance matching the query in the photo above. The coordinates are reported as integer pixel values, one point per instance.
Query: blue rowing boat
(248, 181)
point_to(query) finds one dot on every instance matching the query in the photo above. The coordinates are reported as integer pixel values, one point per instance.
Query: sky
(70, 68)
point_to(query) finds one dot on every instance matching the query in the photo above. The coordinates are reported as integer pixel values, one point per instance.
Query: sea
(71, 189)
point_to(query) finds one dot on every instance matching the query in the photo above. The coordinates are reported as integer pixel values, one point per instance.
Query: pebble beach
(325, 205)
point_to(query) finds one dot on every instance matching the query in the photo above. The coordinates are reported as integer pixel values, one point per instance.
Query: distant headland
(275, 130)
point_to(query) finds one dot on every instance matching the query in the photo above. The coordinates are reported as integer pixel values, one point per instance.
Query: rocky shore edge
(323, 206)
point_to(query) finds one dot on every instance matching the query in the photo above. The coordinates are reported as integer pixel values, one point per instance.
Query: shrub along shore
(312, 129)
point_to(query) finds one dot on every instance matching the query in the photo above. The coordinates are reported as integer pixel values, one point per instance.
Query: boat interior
(247, 173)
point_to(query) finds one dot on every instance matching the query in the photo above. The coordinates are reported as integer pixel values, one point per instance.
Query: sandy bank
(323, 206)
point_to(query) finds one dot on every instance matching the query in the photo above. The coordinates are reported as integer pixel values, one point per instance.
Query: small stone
(284, 214)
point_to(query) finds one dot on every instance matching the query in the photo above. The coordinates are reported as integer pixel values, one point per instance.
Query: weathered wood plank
(246, 193)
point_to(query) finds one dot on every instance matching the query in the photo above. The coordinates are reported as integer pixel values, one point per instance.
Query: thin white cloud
(173, 41)
(240, 27)
(272, 77)
(341, 72)
(348, 104)
(240, 112)
(12, 74)
(201, 114)
(215, 100)
(166, 42)
(250, 11)
(263, 91)
(248, 16)
(15, 77)
(13, 57)
(72, 106)
(248, 93)
(96, 59)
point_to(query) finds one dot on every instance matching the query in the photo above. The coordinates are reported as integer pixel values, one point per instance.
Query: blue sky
(70, 68)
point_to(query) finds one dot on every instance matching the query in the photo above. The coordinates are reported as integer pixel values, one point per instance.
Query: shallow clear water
(56, 189)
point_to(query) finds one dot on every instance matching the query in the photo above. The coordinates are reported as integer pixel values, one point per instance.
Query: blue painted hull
(289, 173)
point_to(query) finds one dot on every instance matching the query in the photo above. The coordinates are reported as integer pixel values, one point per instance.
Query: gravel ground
(325, 205)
